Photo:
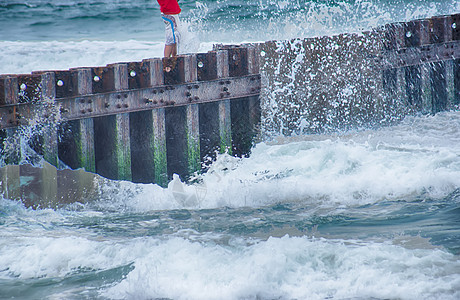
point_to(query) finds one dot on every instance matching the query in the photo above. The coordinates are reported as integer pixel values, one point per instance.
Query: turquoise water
(372, 214)
(44, 35)
(38, 20)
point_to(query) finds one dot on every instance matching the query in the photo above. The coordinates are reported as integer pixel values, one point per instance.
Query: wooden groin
(138, 121)
(352, 81)
(144, 121)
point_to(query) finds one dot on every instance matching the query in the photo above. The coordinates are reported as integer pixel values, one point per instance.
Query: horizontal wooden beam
(132, 100)
(412, 56)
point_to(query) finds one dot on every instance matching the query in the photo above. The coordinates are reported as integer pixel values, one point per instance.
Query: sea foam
(417, 157)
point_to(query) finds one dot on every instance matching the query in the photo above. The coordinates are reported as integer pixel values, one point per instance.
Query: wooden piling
(193, 120)
(439, 94)
(147, 128)
(141, 127)
(225, 122)
(159, 146)
(209, 114)
(9, 91)
(159, 129)
(193, 138)
(113, 151)
(176, 141)
(76, 146)
(50, 131)
(254, 101)
(456, 72)
(440, 32)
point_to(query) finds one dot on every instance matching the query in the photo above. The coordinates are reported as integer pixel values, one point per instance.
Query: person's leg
(171, 35)
(170, 50)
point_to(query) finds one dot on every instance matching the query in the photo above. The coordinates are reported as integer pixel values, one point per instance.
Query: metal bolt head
(132, 73)
(60, 83)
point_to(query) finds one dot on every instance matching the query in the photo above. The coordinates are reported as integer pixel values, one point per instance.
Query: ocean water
(359, 215)
(369, 214)
(62, 34)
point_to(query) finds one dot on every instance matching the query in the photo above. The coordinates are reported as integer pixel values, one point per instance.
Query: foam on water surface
(417, 157)
(286, 267)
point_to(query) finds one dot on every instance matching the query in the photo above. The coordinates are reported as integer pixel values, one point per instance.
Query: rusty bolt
(188, 94)
(118, 96)
(118, 105)
(189, 87)
(162, 91)
(189, 99)
(161, 101)
(197, 98)
(125, 95)
(126, 105)
(82, 111)
(225, 89)
(106, 105)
